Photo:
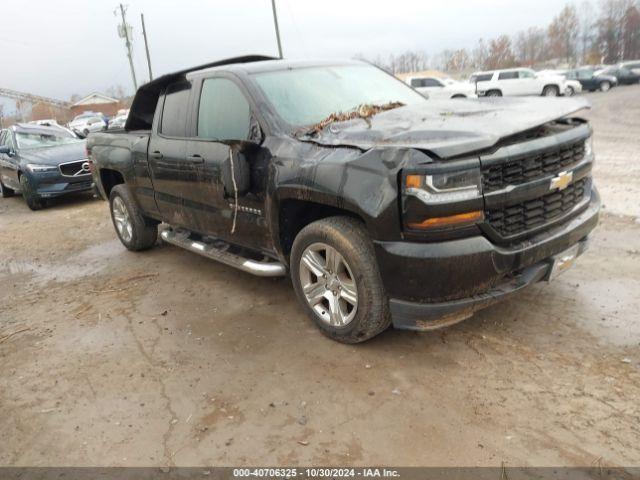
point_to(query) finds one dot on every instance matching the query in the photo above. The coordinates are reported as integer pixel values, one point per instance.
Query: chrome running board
(218, 250)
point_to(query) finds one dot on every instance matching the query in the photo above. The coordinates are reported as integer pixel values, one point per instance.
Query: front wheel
(135, 231)
(550, 91)
(6, 192)
(336, 279)
(34, 202)
(605, 86)
(569, 92)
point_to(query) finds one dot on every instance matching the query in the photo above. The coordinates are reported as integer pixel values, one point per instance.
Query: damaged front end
(484, 207)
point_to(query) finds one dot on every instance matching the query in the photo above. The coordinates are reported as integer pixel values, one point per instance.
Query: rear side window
(224, 112)
(176, 106)
(431, 82)
(507, 75)
(485, 77)
(417, 82)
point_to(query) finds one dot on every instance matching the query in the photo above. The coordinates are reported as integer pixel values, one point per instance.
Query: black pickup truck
(383, 206)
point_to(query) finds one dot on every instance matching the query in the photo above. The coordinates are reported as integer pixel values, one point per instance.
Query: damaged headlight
(588, 147)
(445, 187)
(35, 168)
(442, 200)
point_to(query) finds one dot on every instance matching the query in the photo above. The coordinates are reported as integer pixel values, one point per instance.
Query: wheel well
(294, 215)
(459, 95)
(551, 85)
(109, 179)
(497, 90)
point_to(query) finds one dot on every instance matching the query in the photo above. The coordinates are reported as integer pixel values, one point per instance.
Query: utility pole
(124, 33)
(146, 46)
(275, 21)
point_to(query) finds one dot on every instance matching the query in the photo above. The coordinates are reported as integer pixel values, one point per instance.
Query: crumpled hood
(55, 155)
(448, 127)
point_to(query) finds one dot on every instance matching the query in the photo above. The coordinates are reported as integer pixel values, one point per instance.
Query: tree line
(580, 34)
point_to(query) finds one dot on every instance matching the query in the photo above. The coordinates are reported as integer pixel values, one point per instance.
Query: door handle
(156, 155)
(195, 159)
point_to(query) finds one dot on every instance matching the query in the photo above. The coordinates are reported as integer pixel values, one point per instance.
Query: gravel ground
(161, 358)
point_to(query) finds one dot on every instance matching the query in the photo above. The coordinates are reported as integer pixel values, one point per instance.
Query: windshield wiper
(364, 111)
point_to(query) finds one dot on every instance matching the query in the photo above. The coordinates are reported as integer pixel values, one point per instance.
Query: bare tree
(631, 32)
(480, 55)
(617, 29)
(116, 91)
(563, 34)
(500, 53)
(455, 60)
(530, 46)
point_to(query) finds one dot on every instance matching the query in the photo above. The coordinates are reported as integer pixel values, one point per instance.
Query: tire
(135, 231)
(550, 91)
(570, 92)
(357, 277)
(34, 202)
(605, 86)
(6, 192)
(85, 132)
(494, 93)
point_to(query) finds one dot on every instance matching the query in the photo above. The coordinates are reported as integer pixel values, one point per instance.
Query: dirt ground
(162, 358)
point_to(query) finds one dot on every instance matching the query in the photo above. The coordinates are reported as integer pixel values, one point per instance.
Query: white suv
(517, 81)
(437, 88)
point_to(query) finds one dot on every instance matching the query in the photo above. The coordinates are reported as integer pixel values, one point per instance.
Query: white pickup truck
(517, 81)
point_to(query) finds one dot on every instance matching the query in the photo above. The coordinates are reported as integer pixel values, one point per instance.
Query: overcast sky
(58, 48)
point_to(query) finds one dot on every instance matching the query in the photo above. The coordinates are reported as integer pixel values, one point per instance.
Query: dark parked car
(591, 80)
(42, 162)
(385, 207)
(624, 75)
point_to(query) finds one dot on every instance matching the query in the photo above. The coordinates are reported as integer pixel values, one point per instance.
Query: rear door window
(485, 77)
(431, 82)
(175, 111)
(224, 112)
(508, 75)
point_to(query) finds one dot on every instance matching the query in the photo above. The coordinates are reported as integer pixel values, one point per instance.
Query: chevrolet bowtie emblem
(562, 181)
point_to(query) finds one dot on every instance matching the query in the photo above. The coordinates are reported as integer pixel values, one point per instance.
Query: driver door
(224, 113)
(528, 83)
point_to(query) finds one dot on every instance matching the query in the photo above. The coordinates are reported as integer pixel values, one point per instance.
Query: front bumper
(52, 184)
(431, 285)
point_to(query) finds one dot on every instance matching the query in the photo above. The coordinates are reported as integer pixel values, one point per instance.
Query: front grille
(74, 169)
(526, 169)
(522, 217)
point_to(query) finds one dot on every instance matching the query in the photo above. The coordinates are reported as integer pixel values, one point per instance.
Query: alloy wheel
(122, 219)
(328, 284)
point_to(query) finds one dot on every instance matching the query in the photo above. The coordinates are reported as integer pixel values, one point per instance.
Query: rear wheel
(135, 231)
(605, 86)
(550, 91)
(34, 202)
(336, 279)
(569, 92)
(6, 192)
(494, 93)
